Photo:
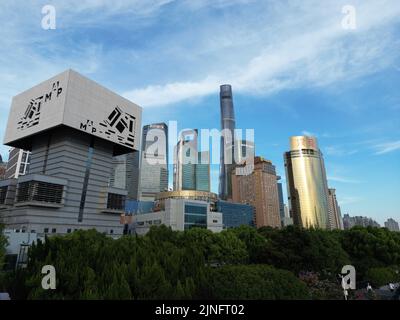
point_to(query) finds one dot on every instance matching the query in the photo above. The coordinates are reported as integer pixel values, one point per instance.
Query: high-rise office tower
(281, 202)
(154, 161)
(246, 150)
(335, 216)
(392, 225)
(191, 167)
(125, 173)
(18, 163)
(259, 189)
(227, 145)
(306, 183)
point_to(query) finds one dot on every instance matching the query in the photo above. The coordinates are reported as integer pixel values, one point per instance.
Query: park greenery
(240, 263)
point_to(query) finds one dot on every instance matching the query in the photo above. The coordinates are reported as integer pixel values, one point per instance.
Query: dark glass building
(235, 214)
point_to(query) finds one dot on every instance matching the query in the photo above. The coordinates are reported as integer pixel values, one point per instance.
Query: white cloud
(349, 200)
(387, 147)
(308, 133)
(342, 179)
(303, 49)
(340, 150)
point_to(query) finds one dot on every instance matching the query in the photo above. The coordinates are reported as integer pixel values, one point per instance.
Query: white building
(18, 243)
(180, 214)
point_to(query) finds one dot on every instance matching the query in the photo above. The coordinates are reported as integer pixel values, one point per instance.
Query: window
(54, 230)
(69, 230)
(33, 231)
(197, 219)
(111, 231)
(157, 222)
(140, 223)
(46, 230)
(39, 191)
(3, 193)
(116, 201)
(215, 221)
(195, 209)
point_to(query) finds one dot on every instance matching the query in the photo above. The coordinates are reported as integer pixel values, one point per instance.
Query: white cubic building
(73, 128)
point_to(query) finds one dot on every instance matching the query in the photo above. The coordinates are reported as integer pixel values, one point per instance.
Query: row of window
(53, 230)
(149, 222)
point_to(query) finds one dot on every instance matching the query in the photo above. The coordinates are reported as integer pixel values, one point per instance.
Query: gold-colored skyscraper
(306, 183)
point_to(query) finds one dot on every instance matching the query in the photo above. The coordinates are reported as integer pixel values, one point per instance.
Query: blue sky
(293, 68)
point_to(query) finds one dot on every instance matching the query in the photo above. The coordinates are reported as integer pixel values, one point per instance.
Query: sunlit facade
(307, 183)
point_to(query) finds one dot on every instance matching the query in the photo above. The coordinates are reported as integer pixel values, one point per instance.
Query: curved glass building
(306, 183)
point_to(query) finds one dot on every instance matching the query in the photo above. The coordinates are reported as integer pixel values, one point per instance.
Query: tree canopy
(240, 263)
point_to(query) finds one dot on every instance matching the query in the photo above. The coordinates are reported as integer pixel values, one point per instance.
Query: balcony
(40, 190)
(115, 201)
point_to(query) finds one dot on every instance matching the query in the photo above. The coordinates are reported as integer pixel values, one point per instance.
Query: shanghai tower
(227, 147)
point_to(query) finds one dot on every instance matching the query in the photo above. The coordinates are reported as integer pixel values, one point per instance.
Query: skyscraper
(281, 202)
(335, 216)
(191, 167)
(18, 163)
(203, 171)
(259, 189)
(392, 225)
(228, 124)
(154, 161)
(306, 183)
(125, 173)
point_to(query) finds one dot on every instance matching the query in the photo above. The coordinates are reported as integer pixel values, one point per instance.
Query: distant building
(3, 167)
(306, 183)
(125, 174)
(287, 220)
(349, 222)
(281, 202)
(179, 214)
(18, 163)
(260, 190)
(392, 225)
(335, 216)
(235, 214)
(153, 161)
(191, 166)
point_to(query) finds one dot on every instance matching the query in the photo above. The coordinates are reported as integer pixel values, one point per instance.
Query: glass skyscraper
(227, 123)
(306, 182)
(154, 161)
(192, 167)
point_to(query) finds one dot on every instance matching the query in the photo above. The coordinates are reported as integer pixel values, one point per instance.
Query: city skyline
(345, 96)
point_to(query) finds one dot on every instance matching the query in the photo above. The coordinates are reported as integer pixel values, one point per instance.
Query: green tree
(378, 277)
(255, 282)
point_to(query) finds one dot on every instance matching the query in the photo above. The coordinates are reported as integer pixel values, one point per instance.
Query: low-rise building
(179, 214)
